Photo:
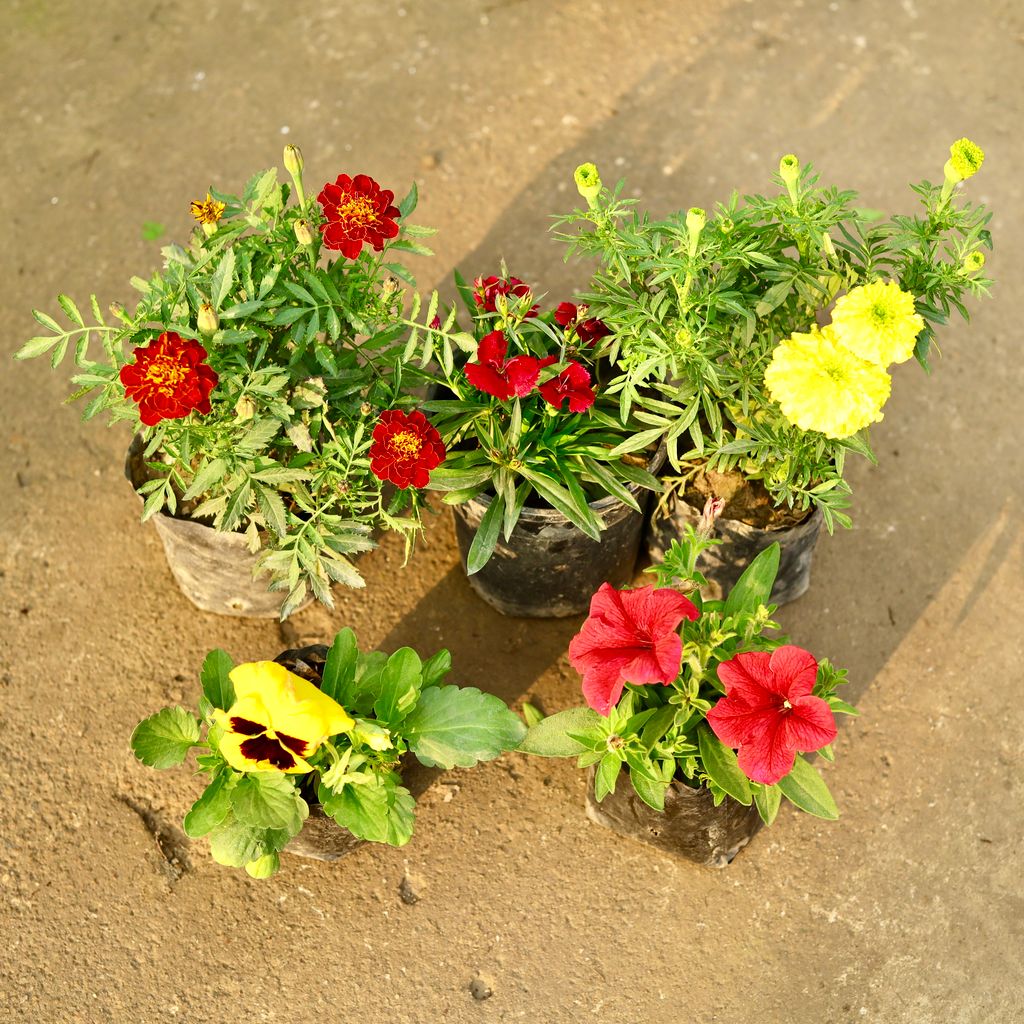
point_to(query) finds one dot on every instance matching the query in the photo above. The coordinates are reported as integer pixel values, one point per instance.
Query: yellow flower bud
(372, 735)
(696, 218)
(588, 181)
(209, 229)
(245, 409)
(207, 320)
(973, 262)
(264, 866)
(303, 234)
(965, 160)
(293, 160)
(789, 169)
(725, 225)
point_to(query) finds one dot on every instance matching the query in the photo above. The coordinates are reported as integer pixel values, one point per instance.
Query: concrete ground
(908, 910)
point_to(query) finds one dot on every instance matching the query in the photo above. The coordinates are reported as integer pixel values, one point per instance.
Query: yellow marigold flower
(207, 211)
(877, 322)
(820, 385)
(277, 720)
(965, 158)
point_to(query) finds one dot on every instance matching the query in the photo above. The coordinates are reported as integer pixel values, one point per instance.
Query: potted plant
(305, 754)
(758, 343)
(546, 504)
(263, 385)
(696, 719)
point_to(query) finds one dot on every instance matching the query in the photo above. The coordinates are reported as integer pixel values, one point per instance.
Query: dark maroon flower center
(278, 751)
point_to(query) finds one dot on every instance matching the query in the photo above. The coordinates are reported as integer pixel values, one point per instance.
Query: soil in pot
(213, 569)
(749, 523)
(321, 837)
(691, 825)
(549, 568)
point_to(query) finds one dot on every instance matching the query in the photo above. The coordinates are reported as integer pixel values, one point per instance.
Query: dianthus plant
(256, 371)
(522, 410)
(685, 692)
(719, 326)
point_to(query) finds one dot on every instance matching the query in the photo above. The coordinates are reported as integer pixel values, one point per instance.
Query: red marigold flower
(769, 713)
(169, 379)
(572, 383)
(487, 289)
(589, 330)
(629, 637)
(405, 448)
(498, 376)
(358, 212)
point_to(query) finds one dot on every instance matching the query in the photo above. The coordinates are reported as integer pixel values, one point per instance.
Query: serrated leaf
(380, 811)
(234, 844)
(268, 800)
(222, 280)
(36, 347)
(554, 736)
(164, 739)
(71, 310)
(210, 809)
(455, 726)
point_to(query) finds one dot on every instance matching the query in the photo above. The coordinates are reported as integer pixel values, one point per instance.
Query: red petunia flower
(573, 383)
(498, 376)
(405, 448)
(589, 330)
(768, 712)
(629, 637)
(358, 212)
(487, 289)
(169, 379)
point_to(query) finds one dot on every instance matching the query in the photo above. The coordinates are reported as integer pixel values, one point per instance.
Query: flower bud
(245, 409)
(365, 409)
(293, 160)
(789, 169)
(965, 160)
(117, 309)
(696, 218)
(712, 510)
(209, 229)
(372, 735)
(303, 234)
(725, 225)
(207, 320)
(683, 338)
(389, 287)
(264, 866)
(588, 182)
(973, 262)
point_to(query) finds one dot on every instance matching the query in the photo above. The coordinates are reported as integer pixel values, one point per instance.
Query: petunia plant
(758, 342)
(271, 743)
(686, 692)
(520, 407)
(261, 368)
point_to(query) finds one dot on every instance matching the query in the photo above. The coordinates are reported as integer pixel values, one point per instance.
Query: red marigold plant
(520, 407)
(262, 368)
(683, 691)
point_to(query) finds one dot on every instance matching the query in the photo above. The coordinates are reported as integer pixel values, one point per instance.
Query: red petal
(734, 721)
(810, 725)
(602, 687)
(522, 373)
(748, 675)
(489, 381)
(566, 313)
(492, 350)
(767, 756)
(795, 669)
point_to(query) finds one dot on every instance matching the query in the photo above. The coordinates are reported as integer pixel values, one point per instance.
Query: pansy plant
(262, 369)
(271, 742)
(687, 692)
(521, 409)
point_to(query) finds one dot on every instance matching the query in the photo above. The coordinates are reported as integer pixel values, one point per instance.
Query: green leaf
(380, 811)
(408, 203)
(234, 844)
(211, 808)
(652, 793)
(268, 800)
(222, 280)
(37, 346)
(578, 513)
(436, 668)
(455, 726)
(553, 736)
(340, 667)
(721, 767)
(217, 687)
(754, 587)
(399, 686)
(804, 787)
(164, 739)
(767, 799)
(71, 310)
(607, 775)
(486, 537)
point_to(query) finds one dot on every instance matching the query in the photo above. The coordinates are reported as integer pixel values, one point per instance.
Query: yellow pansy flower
(877, 322)
(277, 720)
(819, 384)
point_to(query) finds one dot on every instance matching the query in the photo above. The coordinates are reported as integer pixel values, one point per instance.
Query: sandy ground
(908, 910)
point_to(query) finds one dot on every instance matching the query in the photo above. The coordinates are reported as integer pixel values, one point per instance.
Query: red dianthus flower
(169, 379)
(589, 330)
(630, 636)
(573, 383)
(498, 376)
(769, 713)
(487, 289)
(405, 448)
(358, 212)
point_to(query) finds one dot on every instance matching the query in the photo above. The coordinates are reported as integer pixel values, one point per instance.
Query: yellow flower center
(406, 445)
(165, 373)
(880, 314)
(357, 208)
(835, 372)
(208, 210)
